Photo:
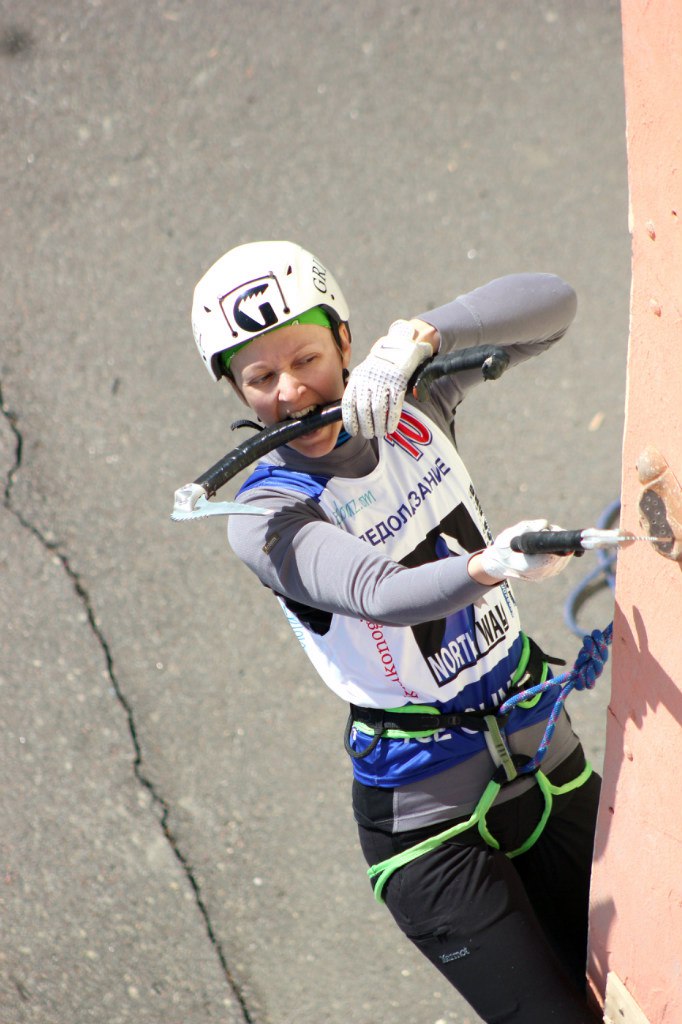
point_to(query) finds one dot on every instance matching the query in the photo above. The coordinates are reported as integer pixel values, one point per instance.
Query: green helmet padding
(316, 315)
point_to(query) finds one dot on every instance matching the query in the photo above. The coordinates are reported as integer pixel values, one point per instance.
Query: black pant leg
(466, 908)
(556, 874)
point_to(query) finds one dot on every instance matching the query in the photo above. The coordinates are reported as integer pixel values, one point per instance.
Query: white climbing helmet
(254, 288)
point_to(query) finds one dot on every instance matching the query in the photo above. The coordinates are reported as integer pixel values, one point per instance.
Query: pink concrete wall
(636, 914)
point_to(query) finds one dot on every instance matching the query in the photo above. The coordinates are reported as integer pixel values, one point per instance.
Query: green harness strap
(403, 734)
(503, 760)
(383, 871)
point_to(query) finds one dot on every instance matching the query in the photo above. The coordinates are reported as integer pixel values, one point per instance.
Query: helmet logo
(254, 306)
(319, 276)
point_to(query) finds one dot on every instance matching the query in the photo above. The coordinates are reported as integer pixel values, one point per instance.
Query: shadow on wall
(643, 688)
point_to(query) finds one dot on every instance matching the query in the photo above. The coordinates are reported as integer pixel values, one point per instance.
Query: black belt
(379, 720)
(416, 721)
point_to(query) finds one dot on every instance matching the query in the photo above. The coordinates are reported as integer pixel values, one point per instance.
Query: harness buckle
(519, 762)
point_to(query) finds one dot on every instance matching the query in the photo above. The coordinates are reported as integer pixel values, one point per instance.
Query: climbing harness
(584, 674)
(412, 721)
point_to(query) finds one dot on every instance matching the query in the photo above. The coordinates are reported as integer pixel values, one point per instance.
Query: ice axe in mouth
(192, 500)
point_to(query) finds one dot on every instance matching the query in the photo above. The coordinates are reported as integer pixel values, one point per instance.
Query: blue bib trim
(277, 476)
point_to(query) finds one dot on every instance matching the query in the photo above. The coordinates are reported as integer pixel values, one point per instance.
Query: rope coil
(589, 665)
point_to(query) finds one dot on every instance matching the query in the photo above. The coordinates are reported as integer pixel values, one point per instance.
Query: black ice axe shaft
(566, 542)
(555, 542)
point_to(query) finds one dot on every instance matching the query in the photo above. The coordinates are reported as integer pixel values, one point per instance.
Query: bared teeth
(301, 414)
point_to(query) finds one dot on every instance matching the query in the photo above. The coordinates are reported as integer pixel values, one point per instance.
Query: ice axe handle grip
(555, 542)
(489, 359)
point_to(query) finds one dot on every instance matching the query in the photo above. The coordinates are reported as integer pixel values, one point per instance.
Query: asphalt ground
(177, 844)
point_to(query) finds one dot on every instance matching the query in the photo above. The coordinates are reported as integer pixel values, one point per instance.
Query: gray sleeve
(523, 313)
(299, 554)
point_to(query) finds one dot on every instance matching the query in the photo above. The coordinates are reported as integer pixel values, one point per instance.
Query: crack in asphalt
(158, 801)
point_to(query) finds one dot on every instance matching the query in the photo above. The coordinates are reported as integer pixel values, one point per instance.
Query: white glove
(501, 562)
(373, 399)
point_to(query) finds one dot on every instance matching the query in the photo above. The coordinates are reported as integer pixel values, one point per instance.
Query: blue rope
(603, 575)
(589, 665)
